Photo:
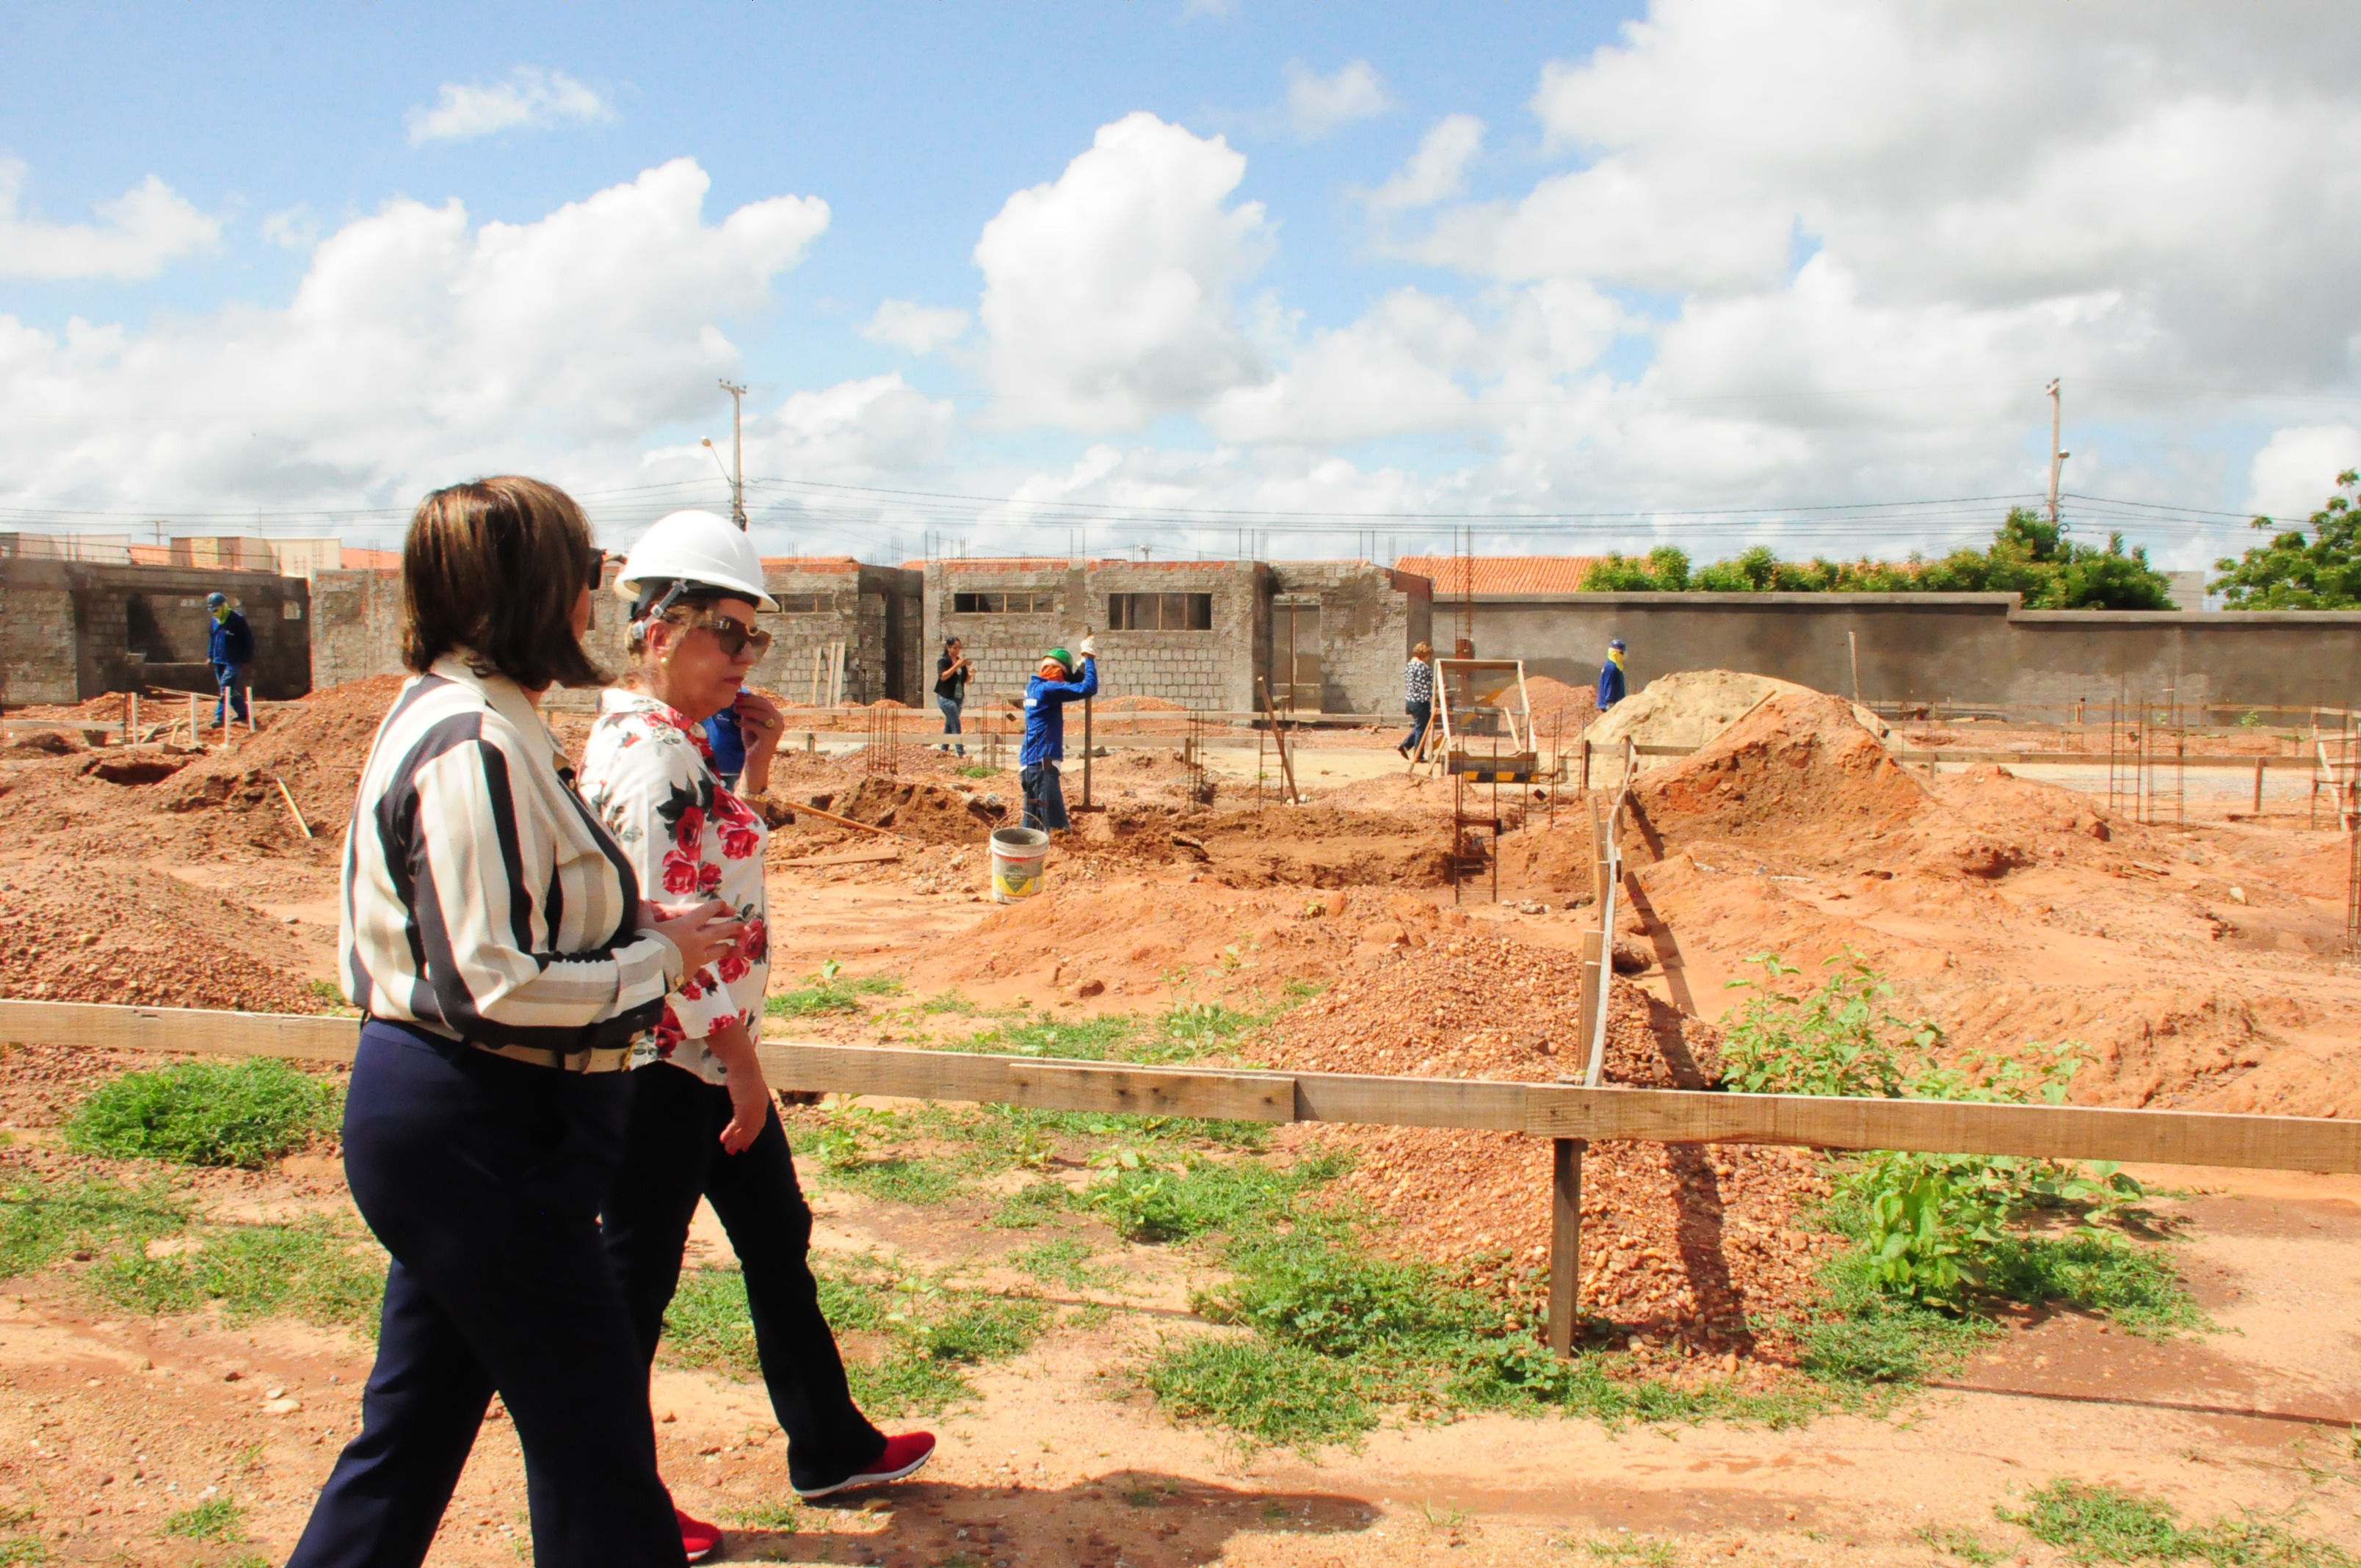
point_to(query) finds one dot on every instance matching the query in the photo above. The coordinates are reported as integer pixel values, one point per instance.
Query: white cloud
(1108, 294)
(1318, 104)
(419, 347)
(140, 232)
(1434, 172)
(530, 96)
(2297, 468)
(921, 329)
(292, 228)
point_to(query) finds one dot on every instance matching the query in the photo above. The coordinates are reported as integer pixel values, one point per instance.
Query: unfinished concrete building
(71, 629)
(1326, 636)
(824, 601)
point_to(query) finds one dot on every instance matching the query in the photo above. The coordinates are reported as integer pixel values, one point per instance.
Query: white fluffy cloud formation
(920, 329)
(529, 97)
(418, 348)
(1108, 294)
(1437, 170)
(139, 234)
(1318, 104)
(2297, 468)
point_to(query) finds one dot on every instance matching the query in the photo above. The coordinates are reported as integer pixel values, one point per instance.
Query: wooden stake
(799, 808)
(2259, 786)
(1565, 1241)
(293, 810)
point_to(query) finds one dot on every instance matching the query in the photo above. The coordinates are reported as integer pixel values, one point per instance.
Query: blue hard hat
(1617, 644)
(214, 601)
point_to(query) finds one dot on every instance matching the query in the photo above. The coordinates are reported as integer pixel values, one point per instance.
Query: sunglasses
(732, 637)
(594, 565)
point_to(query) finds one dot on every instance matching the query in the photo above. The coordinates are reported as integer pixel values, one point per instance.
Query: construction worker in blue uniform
(230, 648)
(1046, 695)
(1610, 675)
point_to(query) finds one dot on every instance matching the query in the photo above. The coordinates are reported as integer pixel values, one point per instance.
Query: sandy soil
(2194, 962)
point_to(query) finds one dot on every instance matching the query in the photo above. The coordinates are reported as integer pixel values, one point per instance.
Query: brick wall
(73, 630)
(1369, 619)
(36, 642)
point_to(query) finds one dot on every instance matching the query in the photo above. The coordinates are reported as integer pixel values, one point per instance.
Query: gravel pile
(142, 936)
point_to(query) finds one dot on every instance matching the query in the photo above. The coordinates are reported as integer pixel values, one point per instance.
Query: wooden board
(1545, 1110)
(865, 858)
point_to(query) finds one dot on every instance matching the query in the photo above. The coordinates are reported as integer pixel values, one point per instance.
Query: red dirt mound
(316, 746)
(1799, 769)
(143, 936)
(1678, 1241)
(1560, 712)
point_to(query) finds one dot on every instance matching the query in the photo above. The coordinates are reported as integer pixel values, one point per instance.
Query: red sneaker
(696, 1538)
(904, 1455)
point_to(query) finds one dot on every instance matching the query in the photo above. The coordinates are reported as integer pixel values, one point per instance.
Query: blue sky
(1681, 273)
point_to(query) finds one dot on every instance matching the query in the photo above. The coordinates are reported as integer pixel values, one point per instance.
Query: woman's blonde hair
(1423, 650)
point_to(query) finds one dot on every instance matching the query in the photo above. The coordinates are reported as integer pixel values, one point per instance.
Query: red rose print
(691, 987)
(756, 943)
(689, 830)
(708, 877)
(738, 841)
(680, 873)
(732, 965)
(668, 1031)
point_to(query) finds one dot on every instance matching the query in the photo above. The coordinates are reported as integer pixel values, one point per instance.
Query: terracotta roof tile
(1502, 573)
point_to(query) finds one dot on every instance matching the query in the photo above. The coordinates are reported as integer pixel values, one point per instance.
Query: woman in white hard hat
(702, 1123)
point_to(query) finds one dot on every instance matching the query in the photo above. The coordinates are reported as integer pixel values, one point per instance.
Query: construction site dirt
(2197, 963)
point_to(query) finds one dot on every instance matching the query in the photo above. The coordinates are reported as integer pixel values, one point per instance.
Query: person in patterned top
(1417, 698)
(703, 1125)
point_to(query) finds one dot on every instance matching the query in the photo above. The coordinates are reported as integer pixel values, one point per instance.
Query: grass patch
(829, 996)
(2132, 1283)
(1864, 1335)
(2093, 1523)
(217, 1518)
(1030, 1206)
(23, 1548)
(1268, 1395)
(41, 1222)
(784, 1517)
(311, 1272)
(1064, 1260)
(1647, 1551)
(898, 1180)
(930, 1332)
(1963, 1544)
(1154, 1204)
(243, 1113)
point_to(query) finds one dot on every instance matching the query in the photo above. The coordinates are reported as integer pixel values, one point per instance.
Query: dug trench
(1312, 936)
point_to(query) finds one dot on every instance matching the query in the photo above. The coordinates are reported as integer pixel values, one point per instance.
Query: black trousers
(673, 1158)
(482, 1176)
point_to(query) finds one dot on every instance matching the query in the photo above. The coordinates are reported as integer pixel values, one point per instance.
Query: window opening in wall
(1041, 602)
(1160, 612)
(800, 604)
(1295, 675)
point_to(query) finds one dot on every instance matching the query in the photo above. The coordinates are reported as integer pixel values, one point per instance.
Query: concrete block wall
(1370, 618)
(1965, 649)
(1004, 647)
(357, 625)
(36, 643)
(74, 630)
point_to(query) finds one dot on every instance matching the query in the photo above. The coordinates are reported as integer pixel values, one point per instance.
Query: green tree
(1664, 570)
(2298, 571)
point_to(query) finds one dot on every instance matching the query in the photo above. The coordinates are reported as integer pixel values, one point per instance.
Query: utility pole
(737, 457)
(2057, 455)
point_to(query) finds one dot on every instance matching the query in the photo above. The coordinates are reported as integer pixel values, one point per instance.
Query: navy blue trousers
(673, 1158)
(1045, 797)
(483, 1177)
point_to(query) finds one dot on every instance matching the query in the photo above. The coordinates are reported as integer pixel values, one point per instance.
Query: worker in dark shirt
(1610, 675)
(229, 647)
(1046, 695)
(951, 673)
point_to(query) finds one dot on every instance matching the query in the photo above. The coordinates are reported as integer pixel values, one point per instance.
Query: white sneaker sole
(874, 1478)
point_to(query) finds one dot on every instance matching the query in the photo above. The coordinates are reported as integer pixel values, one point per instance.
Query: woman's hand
(749, 1096)
(702, 932)
(763, 725)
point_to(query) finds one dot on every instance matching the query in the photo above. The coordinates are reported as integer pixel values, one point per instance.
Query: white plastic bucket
(1017, 857)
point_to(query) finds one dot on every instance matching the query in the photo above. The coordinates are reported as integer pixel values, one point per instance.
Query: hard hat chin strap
(655, 612)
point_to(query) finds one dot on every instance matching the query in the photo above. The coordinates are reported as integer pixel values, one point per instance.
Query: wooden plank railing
(1567, 1114)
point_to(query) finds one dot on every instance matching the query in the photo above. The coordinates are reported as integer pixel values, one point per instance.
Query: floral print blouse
(647, 770)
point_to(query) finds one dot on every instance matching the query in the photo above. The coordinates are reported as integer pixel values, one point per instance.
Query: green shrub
(241, 1113)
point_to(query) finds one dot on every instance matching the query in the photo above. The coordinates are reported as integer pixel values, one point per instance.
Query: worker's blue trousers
(483, 1177)
(233, 695)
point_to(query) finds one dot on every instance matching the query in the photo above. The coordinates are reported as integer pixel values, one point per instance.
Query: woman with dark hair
(951, 673)
(703, 1125)
(495, 938)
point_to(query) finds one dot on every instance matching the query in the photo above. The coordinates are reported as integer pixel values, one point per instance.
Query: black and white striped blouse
(482, 900)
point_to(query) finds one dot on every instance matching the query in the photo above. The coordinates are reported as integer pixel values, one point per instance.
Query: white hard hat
(699, 549)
